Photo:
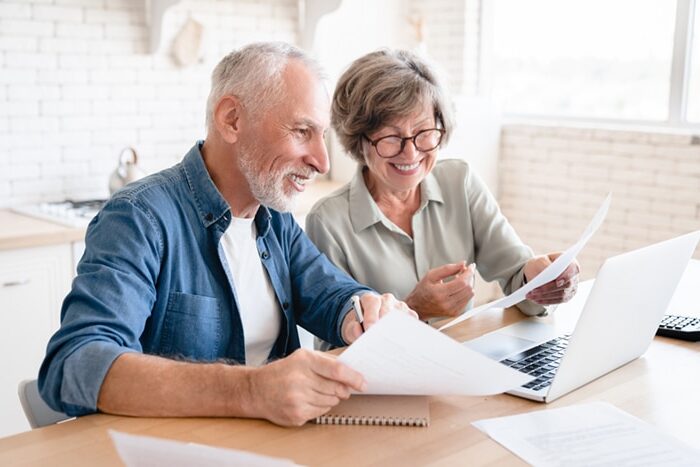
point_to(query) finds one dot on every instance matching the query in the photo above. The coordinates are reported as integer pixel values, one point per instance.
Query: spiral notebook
(379, 410)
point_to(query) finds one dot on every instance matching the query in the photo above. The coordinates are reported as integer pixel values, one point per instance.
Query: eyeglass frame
(403, 141)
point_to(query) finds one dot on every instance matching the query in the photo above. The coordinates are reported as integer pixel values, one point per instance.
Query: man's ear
(227, 118)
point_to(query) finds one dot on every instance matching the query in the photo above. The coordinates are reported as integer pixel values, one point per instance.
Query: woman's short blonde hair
(380, 87)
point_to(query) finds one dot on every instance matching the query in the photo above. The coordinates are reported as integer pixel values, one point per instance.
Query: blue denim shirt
(154, 279)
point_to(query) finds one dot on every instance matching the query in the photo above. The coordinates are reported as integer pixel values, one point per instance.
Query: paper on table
(586, 435)
(402, 355)
(550, 273)
(146, 451)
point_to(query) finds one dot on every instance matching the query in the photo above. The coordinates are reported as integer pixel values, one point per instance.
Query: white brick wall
(77, 84)
(553, 179)
(452, 39)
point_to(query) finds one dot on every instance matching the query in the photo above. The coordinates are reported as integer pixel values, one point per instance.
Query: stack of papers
(145, 451)
(403, 355)
(587, 435)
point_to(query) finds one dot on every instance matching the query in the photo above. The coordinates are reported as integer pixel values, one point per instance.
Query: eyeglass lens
(424, 141)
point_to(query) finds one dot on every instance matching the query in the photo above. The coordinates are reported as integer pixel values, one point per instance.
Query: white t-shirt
(258, 307)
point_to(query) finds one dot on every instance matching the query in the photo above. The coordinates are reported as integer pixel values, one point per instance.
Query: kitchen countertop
(20, 231)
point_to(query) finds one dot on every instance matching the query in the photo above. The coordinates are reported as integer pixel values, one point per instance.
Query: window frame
(677, 104)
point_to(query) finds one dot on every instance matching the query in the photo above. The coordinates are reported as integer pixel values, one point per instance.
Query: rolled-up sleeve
(322, 289)
(105, 313)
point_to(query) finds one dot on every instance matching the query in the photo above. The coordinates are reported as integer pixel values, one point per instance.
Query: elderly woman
(410, 224)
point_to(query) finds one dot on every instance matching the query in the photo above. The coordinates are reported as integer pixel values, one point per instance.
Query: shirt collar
(211, 205)
(364, 211)
(430, 190)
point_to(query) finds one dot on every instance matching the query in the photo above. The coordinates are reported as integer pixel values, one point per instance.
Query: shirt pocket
(192, 327)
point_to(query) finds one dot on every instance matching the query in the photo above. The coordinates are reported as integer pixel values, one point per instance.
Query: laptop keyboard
(541, 361)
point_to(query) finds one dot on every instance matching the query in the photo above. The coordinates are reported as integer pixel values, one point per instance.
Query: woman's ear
(227, 118)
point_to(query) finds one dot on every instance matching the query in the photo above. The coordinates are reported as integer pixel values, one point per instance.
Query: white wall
(354, 29)
(552, 178)
(77, 84)
(452, 29)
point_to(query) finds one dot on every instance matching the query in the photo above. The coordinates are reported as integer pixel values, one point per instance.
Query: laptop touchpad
(498, 346)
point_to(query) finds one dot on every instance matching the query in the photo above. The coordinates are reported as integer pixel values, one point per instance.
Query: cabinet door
(33, 283)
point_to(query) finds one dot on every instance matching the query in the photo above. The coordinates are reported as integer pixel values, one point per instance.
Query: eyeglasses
(393, 145)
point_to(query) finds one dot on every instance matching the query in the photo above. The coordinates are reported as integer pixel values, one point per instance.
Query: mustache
(304, 172)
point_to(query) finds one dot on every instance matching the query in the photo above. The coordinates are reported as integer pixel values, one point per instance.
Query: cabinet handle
(16, 283)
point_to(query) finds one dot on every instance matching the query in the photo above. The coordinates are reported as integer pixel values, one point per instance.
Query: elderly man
(194, 280)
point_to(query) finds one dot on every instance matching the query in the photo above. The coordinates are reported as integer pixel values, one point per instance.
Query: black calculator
(680, 327)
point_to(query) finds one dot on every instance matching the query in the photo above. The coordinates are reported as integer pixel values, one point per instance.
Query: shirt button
(285, 305)
(265, 255)
(209, 217)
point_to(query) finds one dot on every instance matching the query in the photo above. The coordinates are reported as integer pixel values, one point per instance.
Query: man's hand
(303, 386)
(561, 289)
(373, 307)
(434, 296)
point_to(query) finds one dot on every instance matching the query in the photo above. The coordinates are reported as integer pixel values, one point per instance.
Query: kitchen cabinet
(33, 283)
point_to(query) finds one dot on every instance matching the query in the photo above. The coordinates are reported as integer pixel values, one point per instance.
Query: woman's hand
(561, 289)
(435, 296)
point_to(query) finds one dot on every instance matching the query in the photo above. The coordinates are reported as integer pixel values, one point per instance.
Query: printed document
(587, 435)
(145, 451)
(550, 273)
(403, 355)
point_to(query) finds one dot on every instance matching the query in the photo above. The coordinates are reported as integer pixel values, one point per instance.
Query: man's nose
(319, 156)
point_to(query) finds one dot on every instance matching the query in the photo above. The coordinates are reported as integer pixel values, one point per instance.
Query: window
(694, 83)
(598, 59)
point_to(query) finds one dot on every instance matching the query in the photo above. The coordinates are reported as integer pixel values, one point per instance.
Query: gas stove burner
(95, 204)
(71, 213)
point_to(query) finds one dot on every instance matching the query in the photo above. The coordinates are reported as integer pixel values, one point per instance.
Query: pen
(357, 306)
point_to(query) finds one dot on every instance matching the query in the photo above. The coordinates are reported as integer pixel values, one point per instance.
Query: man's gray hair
(380, 87)
(254, 75)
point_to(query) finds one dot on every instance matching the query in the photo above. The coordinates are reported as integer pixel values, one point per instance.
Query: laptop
(618, 320)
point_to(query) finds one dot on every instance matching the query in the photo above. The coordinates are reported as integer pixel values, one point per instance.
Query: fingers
(371, 307)
(396, 304)
(352, 330)
(443, 272)
(559, 296)
(330, 389)
(560, 290)
(334, 371)
(568, 275)
(461, 282)
(564, 280)
(458, 301)
(302, 386)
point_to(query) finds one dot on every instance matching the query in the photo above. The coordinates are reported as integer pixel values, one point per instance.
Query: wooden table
(662, 388)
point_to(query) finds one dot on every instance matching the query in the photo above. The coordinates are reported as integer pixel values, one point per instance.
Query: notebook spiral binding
(364, 420)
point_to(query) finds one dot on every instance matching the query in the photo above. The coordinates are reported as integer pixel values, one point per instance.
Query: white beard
(268, 187)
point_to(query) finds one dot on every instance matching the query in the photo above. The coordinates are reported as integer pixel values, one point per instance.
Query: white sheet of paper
(594, 434)
(146, 451)
(550, 273)
(403, 355)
